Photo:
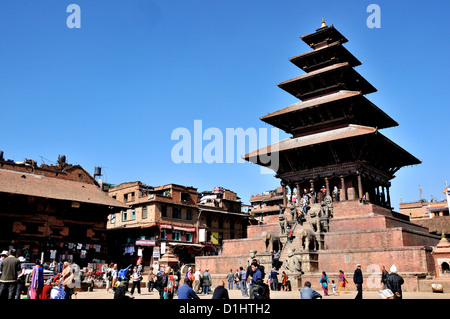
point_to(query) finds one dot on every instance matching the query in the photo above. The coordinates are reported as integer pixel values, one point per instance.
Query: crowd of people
(252, 282)
(13, 283)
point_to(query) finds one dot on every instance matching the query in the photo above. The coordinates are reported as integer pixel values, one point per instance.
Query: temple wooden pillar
(343, 195)
(327, 186)
(360, 187)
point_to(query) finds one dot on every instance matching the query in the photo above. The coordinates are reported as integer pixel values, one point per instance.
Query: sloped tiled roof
(54, 188)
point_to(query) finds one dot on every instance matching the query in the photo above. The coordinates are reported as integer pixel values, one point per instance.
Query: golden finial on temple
(323, 23)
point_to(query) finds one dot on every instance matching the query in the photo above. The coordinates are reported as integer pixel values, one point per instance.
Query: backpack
(263, 273)
(170, 284)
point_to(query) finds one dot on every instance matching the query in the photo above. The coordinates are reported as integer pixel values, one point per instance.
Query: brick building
(171, 217)
(266, 204)
(55, 211)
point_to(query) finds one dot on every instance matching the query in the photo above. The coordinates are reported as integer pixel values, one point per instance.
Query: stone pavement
(235, 294)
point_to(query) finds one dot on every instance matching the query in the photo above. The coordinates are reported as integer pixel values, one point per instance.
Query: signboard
(156, 253)
(215, 238)
(145, 242)
(202, 235)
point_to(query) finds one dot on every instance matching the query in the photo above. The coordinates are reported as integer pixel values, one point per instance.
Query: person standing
(9, 268)
(114, 276)
(342, 282)
(206, 282)
(243, 281)
(230, 277)
(274, 278)
(220, 292)
(68, 279)
(394, 282)
(197, 275)
(256, 274)
(37, 281)
(20, 278)
(169, 284)
(137, 277)
(358, 280)
(384, 275)
(151, 280)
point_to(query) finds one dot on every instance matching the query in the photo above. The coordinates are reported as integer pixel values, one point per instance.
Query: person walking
(206, 282)
(285, 282)
(394, 282)
(220, 292)
(186, 292)
(324, 281)
(37, 281)
(358, 280)
(384, 275)
(9, 268)
(342, 282)
(136, 277)
(243, 281)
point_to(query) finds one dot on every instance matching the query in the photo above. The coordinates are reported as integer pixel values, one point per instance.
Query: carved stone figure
(309, 239)
(252, 255)
(314, 219)
(292, 263)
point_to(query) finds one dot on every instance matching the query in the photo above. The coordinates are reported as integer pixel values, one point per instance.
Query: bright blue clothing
(186, 292)
(256, 275)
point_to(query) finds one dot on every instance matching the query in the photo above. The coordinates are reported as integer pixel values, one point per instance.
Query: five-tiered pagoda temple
(335, 129)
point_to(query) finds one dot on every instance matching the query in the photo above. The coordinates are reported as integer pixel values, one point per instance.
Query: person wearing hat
(120, 291)
(394, 282)
(9, 268)
(358, 280)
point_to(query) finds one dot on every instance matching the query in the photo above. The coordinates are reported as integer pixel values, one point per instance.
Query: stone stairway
(297, 241)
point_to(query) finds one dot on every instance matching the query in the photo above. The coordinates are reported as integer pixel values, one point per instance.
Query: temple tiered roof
(335, 127)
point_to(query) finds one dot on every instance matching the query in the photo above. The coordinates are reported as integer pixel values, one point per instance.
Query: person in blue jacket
(186, 292)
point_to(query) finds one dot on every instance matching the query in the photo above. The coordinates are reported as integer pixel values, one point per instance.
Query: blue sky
(110, 93)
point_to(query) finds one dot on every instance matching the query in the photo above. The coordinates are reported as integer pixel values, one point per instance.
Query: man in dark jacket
(9, 269)
(358, 280)
(394, 282)
(220, 292)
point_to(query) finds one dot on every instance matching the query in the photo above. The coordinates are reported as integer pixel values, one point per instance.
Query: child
(333, 286)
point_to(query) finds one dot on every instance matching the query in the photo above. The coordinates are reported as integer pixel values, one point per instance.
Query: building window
(176, 235)
(144, 212)
(124, 215)
(113, 219)
(220, 222)
(176, 213)
(208, 221)
(163, 233)
(231, 224)
(188, 236)
(163, 211)
(132, 214)
(189, 214)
